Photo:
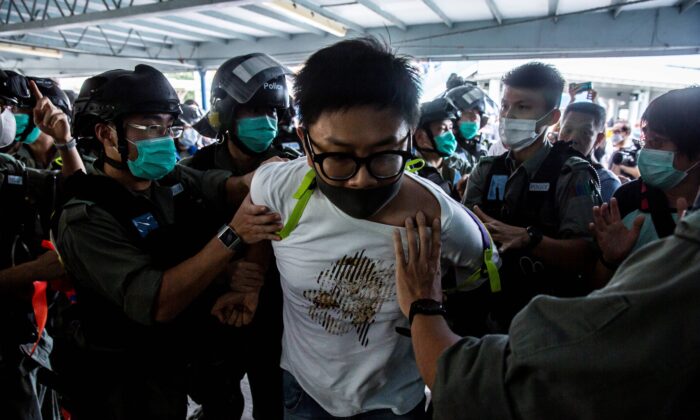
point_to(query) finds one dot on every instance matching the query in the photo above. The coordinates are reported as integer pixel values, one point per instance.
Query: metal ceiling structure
(82, 37)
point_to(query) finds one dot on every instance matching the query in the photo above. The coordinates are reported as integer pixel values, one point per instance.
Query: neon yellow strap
(415, 165)
(303, 194)
(58, 161)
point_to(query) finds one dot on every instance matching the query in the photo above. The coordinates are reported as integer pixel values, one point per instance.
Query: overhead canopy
(84, 37)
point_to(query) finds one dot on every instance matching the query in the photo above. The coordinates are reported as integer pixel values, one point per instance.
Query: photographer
(643, 210)
(623, 162)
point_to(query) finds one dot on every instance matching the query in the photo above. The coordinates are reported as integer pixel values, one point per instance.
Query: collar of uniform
(533, 164)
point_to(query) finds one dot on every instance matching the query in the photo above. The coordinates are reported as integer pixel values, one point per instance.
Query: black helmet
(437, 110)
(50, 90)
(117, 93)
(252, 79)
(14, 89)
(471, 97)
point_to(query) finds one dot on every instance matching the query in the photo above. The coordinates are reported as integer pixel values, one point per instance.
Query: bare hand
(462, 186)
(614, 239)
(681, 207)
(255, 223)
(49, 118)
(510, 237)
(236, 308)
(246, 276)
(418, 276)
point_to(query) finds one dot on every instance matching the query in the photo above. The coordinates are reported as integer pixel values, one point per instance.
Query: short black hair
(357, 72)
(589, 108)
(675, 115)
(538, 76)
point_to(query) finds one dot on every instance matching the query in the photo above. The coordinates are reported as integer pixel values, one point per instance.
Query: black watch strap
(535, 235)
(425, 307)
(230, 239)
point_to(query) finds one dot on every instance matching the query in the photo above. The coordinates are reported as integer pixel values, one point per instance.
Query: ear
(554, 117)
(600, 139)
(300, 135)
(422, 140)
(106, 134)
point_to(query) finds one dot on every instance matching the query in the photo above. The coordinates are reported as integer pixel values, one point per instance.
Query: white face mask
(8, 126)
(189, 138)
(517, 134)
(617, 138)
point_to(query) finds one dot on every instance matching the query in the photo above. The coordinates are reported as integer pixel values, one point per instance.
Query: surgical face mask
(360, 203)
(8, 128)
(27, 132)
(257, 133)
(617, 138)
(656, 169)
(468, 129)
(445, 143)
(189, 138)
(157, 158)
(517, 134)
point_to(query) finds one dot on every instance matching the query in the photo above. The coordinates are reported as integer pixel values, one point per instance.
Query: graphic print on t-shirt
(351, 292)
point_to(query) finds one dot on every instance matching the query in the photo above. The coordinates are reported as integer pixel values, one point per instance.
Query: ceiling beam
(494, 11)
(181, 23)
(383, 13)
(230, 16)
(438, 11)
(685, 5)
(616, 11)
(282, 18)
(330, 15)
(553, 9)
(109, 16)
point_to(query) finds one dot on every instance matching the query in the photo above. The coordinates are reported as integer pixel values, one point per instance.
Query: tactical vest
(433, 174)
(104, 324)
(638, 195)
(523, 275)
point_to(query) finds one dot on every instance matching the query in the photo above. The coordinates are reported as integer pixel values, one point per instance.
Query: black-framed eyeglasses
(339, 166)
(157, 130)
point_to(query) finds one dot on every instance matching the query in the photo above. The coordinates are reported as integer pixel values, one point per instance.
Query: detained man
(341, 354)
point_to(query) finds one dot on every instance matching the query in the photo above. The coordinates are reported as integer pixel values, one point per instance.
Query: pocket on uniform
(292, 391)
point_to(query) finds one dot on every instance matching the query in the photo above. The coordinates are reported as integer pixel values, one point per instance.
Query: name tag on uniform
(177, 189)
(539, 186)
(497, 189)
(15, 180)
(145, 224)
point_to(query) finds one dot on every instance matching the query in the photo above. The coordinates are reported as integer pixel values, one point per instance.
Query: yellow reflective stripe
(415, 165)
(303, 194)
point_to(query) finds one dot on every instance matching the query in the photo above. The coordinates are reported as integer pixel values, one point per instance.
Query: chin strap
(114, 163)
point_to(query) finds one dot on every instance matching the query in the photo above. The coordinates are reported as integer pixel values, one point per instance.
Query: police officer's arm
(52, 121)
(182, 283)
(418, 277)
(18, 279)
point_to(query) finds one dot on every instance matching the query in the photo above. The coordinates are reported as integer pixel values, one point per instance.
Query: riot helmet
(115, 94)
(14, 89)
(438, 110)
(253, 80)
(50, 90)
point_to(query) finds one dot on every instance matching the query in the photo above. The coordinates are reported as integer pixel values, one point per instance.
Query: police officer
(476, 109)
(28, 197)
(248, 95)
(436, 144)
(40, 152)
(536, 199)
(141, 253)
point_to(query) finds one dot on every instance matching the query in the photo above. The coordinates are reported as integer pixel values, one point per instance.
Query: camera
(627, 156)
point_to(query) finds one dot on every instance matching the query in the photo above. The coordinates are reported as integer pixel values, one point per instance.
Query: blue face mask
(157, 158)
(257, 133)
(445, 143)
(656, 169)
(468, 129)
(22, 121)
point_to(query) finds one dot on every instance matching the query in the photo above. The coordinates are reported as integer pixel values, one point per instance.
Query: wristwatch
(535, 235)
(70, 144)
(425, 307)
(230, 239)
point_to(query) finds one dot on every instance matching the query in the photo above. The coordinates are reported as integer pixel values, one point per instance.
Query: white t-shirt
(340, 308)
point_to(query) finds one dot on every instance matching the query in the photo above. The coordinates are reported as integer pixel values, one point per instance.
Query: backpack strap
(660, 213)
(303, 195)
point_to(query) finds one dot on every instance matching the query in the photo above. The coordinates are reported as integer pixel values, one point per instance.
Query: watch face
(228, 237)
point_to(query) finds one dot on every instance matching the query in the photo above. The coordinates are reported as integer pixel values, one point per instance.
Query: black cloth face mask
(360, 203)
